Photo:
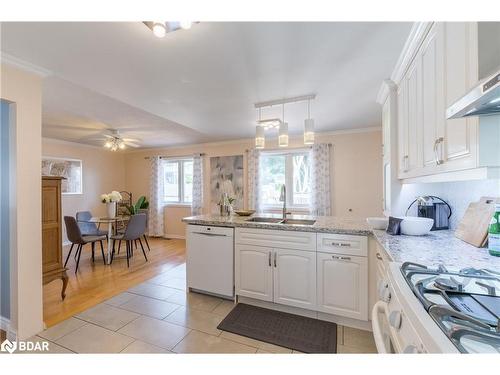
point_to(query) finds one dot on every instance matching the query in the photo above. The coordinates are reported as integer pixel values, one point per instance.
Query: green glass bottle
(494, 233)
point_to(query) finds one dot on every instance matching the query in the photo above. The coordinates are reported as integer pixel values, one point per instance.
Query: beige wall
(25, 91)
(103, 171)
(356, 173)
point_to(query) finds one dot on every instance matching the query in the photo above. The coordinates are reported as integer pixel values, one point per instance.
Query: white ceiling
(200, 84)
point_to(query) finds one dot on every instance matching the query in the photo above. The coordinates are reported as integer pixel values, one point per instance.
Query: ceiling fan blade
(131, 139)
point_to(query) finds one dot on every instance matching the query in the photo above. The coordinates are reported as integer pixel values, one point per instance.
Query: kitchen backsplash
(458, 194)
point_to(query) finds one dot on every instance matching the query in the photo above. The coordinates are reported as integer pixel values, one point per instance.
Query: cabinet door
(414, 104)
(51, 226)
(295, 278)
(254, 272)
(343, 285)
(402, 128)
(432, 115)
(459, 147)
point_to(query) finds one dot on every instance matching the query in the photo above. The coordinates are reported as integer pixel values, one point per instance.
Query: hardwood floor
(96, 282)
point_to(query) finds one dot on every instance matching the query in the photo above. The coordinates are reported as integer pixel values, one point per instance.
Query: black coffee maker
(433, 207)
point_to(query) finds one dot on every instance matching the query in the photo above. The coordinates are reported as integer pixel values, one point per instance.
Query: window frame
(289, 154)
(180, 181)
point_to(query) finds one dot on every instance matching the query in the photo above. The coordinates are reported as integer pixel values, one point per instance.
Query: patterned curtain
(197, 204)
(156, 198)
(254, 180)
(321, 193)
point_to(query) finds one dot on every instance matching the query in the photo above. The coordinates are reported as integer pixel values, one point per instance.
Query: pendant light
(309, 126)
(260, 138)
(283, 132)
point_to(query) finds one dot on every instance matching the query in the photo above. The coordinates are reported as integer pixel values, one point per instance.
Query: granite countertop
(438, 247)
(323, 224)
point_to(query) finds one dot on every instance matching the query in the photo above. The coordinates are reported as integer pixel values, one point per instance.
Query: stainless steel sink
(298, 221)
(281, 221)
(264, 220)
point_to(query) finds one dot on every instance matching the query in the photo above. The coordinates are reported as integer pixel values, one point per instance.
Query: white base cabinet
(295, 278)
(254, 272)
(343, 285)
(333, 280)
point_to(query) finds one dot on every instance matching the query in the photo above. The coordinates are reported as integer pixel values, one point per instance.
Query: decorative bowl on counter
(378, 222)
(416, 226)
(244, 212)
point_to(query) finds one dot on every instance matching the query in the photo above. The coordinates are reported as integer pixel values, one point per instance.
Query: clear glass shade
(283, 135)
(260, 139)
(309, 132)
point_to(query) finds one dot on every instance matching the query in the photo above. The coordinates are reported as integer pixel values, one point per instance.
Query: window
(178, 181)
(292, 169)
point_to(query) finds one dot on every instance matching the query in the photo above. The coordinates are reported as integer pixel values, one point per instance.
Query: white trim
(385, 89)
(417, 35)
(177, 205)
(481, 173)
(7, 327)
(24, 65)
(174, 236)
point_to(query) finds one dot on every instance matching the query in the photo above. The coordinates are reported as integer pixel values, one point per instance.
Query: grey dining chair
(136, 228)
(76, 238)
(86, 227)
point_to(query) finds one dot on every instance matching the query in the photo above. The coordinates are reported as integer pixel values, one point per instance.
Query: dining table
(111, 222)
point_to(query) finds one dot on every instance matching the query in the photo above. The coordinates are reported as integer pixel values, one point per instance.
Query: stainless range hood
(484, 99)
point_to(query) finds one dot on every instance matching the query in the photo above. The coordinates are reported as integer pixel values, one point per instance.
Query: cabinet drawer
(277, 238)
(210, 230)
(343, 244)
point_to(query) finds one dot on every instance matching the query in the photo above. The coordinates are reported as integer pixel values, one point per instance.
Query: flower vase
(111, 207)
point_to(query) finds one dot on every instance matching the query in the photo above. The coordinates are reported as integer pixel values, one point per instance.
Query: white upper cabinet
(440, 67)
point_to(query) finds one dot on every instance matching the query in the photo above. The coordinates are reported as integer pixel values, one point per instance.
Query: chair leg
(128, 253)
(135, 243)
(102, 252)
(78, 259)
(147, 243)
(69, 254)
(119, 245)
(142, 247)
(93, 248)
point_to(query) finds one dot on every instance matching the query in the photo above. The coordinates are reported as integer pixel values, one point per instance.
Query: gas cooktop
(464, 303)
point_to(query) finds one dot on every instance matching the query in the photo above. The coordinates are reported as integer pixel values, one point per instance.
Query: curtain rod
(176, 157)
(287, 148)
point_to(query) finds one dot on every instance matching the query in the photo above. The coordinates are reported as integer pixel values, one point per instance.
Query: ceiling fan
(115, 142)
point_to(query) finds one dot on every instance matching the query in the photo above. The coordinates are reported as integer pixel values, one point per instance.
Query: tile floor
(159, 317)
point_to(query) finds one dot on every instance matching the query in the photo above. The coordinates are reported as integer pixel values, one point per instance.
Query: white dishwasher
(210, 260)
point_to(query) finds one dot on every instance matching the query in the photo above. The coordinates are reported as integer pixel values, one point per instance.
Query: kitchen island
(323, 224)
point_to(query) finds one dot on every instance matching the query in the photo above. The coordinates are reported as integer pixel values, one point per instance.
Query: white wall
(25, 91)
(458, 194)
(102, 172)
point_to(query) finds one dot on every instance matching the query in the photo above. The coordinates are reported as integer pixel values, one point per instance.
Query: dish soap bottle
(494, 233)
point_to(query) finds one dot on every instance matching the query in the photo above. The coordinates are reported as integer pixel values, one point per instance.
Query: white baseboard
(175, 236)
(5, 326)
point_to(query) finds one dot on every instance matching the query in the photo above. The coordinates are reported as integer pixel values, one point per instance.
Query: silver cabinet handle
(379, 257)
(340, 257)
(405, 163)
(436, 155)
(269, 258)
(275, 262)
(341, 244)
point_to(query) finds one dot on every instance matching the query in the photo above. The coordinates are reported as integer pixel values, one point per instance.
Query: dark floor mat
(275, 327)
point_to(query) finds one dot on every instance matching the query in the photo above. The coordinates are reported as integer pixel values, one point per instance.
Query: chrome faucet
(283, 199)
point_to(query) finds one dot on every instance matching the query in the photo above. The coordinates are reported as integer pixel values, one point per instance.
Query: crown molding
(417, 35)
(7, 59)
(387, 86)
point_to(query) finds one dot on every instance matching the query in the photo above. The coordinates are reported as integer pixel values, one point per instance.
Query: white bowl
(378, 222)
(416, 226)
